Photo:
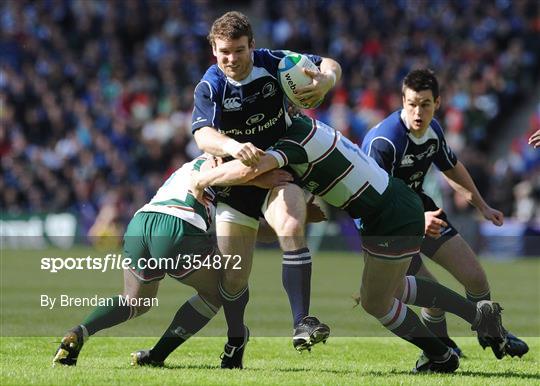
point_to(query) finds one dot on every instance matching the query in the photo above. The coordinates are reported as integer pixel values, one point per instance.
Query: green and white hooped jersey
(174, 199)
(331, 166)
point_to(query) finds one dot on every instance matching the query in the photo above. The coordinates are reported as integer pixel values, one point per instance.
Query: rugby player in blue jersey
(240, 110)
(406, 144)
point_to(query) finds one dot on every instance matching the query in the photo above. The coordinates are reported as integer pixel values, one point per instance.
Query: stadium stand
(96, 96)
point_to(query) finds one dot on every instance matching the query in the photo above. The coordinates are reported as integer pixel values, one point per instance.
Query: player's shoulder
(265, 53)
(391, 130)
(437, 128)
(213, 78)
(267, 58)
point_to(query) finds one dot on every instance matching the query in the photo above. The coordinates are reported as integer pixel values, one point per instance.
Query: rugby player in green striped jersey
(164, 237)
(332, 167)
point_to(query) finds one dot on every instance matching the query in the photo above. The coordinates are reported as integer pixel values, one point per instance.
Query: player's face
(234, 57)
(420, 108)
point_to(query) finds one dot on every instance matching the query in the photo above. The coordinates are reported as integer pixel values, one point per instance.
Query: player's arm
(228, 174)
(323, 81)
(383, 151)
(209, 140)
(461, 181)
(206, 117)
(234, 172)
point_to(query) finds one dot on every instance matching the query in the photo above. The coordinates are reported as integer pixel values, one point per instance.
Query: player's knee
(375, 307)
(290, 226)
(142, 309)
(234, 283)
(400, 289)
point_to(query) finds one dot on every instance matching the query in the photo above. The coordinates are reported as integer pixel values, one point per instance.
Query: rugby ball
(291, 77)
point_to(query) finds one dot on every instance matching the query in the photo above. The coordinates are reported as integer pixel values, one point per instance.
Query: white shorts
(226, 213)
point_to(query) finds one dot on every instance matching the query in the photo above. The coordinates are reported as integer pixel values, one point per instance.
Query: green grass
(359, 351)
(268, 361)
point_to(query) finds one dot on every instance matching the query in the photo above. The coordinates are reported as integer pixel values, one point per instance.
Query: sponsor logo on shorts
(312, 185)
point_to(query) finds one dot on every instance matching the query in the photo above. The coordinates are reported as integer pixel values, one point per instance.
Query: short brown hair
(420, 80)
(232, 25)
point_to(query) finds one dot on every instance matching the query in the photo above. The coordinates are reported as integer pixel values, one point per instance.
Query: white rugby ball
(291, 77)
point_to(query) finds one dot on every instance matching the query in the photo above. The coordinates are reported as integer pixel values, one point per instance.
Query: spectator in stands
(94, 95)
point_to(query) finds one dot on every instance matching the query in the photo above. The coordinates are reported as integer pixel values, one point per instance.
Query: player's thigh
(458, 258)
(237, 241)
(137, 249)
(285, 209)
(381, 279)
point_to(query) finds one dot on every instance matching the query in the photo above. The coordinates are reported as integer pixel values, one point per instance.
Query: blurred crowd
(96, 96)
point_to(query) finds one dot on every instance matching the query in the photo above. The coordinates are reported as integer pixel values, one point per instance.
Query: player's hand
(434, 224)
(273, 178)
(197, 190)
(314, 93)
(493, 215)
(314, 213)
(211, 162)
(246, 152)
(293, 110)
(534, 140)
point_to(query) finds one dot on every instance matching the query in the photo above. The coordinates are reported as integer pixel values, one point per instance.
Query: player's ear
(252, 44)
(437, 102)
(214, 51)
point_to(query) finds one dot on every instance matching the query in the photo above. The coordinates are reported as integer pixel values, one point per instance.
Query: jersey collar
(244, 81)
(430, 133)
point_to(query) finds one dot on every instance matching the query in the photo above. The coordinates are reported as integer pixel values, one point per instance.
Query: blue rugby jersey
(251, 110)
(404, 156)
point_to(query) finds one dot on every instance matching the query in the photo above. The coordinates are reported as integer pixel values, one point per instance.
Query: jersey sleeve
(445, 158)
(271, 58)
(316, 59)
(287, 151)
(383, 151)
(206, 110)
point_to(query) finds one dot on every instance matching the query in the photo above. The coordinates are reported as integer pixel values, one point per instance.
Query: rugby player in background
(406, 144)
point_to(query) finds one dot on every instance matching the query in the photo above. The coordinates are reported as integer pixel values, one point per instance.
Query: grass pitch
(359, 351)
(268, 361)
